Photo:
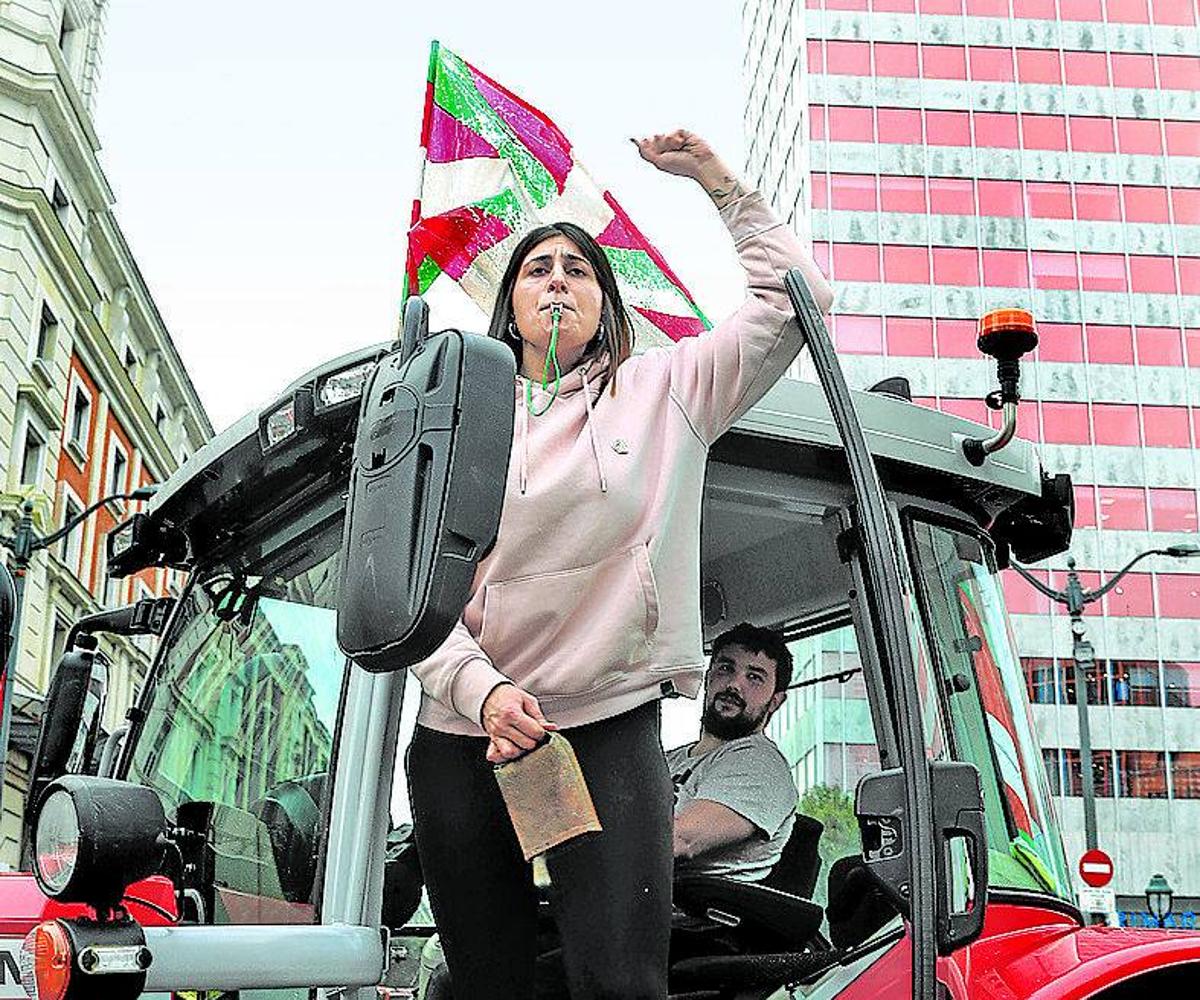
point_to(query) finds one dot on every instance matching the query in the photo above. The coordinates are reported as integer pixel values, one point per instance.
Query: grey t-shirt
(751, 777)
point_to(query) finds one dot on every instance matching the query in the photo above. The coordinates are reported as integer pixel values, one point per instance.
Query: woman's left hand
(684, 153)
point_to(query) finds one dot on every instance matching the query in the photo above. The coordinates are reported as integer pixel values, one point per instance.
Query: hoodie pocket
(575, 630)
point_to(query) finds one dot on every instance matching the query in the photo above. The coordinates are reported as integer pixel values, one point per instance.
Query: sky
(264, 155)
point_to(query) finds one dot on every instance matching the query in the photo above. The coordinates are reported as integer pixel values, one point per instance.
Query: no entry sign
(1096, 868)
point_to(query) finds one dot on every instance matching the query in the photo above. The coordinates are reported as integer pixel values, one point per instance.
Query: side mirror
(430, 464)
(8, 615)
(70, 717)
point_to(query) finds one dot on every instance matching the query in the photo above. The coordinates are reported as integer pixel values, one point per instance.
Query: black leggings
(610, 892)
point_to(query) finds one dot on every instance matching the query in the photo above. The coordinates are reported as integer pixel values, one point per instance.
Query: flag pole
(411, 282)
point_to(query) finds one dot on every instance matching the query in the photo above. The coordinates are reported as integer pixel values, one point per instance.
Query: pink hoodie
(590, 598)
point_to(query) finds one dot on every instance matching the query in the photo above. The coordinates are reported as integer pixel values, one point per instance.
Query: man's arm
(704, 825)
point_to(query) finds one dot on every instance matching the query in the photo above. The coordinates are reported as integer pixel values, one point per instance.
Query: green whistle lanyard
(551, 358)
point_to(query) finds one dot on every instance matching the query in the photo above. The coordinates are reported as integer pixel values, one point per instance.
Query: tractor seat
(769, 915)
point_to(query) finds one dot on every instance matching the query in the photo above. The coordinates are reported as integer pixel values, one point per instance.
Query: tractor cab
(261, 769)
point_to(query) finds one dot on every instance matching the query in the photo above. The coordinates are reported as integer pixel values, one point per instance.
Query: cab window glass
(238, 736)
(983, 689)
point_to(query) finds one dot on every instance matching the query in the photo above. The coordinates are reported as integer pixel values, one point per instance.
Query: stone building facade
(94, 399)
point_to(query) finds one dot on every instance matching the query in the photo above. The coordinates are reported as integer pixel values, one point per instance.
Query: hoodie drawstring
(524, 447)
(587, 403)
(596, 454)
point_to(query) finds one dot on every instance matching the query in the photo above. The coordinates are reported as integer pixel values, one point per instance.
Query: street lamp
(1159, 897)
(1075, 599)
(23, 545)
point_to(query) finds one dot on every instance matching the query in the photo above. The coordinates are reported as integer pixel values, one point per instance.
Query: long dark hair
(615, 336)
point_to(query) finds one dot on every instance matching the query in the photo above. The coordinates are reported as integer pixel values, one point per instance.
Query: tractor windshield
(985, 703)
(240, 718)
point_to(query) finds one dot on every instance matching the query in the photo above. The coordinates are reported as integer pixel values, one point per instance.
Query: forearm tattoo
(726, 190)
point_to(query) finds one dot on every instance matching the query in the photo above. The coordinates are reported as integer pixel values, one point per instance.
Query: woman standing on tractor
(586, 613)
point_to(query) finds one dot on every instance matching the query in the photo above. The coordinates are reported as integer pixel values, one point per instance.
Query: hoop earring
(512, 330)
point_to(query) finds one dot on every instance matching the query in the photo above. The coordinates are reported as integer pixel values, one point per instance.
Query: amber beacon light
(1006, 335)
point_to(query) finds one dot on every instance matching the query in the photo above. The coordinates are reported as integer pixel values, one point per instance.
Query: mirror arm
(145, 617)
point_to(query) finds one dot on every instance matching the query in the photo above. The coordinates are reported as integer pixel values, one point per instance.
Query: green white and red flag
(493, 167)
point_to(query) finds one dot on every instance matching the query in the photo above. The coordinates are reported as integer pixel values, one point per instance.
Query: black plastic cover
(426, 490)
(1037, 528)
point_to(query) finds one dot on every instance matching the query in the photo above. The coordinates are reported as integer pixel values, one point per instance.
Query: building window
(854, 192)
(1183, 138)
(33, 454)
(1155, 275)
(1058, 341)
(902, 194)
(851, 125)
(1049, 200)
(955, 265)
(855, 262)
(71, 545)
(1092, 135)
(909, 337)
(1167, 426)
(1085, 505)
(129, 359)
(60, 202)
(1123, 507)
(1102, 767)
(906, 265)
(1185, 203)
(1109, 345)
(899, 125)
(943, 62)
(118, 476)
(1134, 682)
(1146, 204)
(1044, 132)
(1133, 597)
(1086, 69)
(1003, 198)
(1116, 423)
(1142, 774)
(948, 128)
(1021, 598)
(1103, 272)
(1172, 510)
(1185, 774)
(1097, 202)
(1137, 136)
(1179, 597)
(1055, 269)
(1097, 683)
(1133, 69)
(1039, 679)
(47, 334)
(1005, 268)
(1038, 66)
(996, 130)
(896, 59)
(1181, 681)
(1158, 345)
(859, 334)
(79, 430)
(1065, 423)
